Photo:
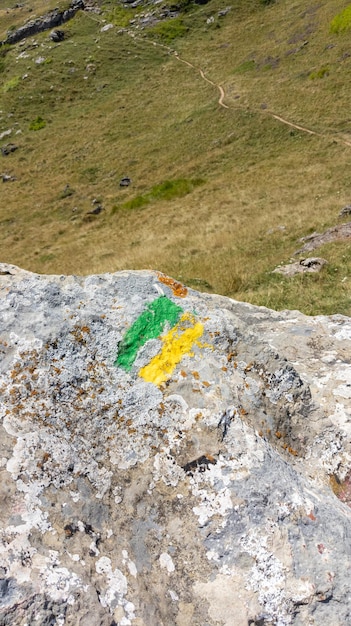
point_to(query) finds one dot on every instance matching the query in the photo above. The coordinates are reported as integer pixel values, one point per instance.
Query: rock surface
(341, 232)
(46, 22)
(169, 457)
(310, 265)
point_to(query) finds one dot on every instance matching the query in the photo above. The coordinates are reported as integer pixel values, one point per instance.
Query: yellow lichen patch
(177, 343)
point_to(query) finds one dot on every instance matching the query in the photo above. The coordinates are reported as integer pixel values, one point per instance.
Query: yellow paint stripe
(177, 343)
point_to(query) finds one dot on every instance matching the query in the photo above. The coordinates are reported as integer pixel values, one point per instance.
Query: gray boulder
(170, 457)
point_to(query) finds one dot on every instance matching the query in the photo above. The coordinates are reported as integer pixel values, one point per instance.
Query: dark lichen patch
(201, 464)
(70, 530)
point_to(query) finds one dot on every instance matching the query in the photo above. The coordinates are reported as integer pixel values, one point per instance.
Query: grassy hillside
(219, 195)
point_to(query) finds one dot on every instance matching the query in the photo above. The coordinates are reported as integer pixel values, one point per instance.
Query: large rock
(170, 457)
(50, 20)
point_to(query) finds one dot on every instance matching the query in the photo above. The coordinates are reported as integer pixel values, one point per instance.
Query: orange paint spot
(311, 516)
(178, 289)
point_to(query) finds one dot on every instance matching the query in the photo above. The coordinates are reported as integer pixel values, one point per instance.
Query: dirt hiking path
(222, 94)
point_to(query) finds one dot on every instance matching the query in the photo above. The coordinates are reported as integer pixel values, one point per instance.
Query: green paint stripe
(149, 325)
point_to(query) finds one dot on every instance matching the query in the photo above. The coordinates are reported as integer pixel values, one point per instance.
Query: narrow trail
(204, 77)
(222, 95)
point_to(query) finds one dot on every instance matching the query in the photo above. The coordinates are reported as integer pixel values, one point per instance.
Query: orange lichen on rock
(178, 289)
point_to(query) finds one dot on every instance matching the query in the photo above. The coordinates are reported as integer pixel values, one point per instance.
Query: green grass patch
(37, 124)
(135, 203)
(11, 84)
(342, 21)
(119, 15)
(178, 188)
(244, 67)
(321, 73)
(169, 30)
(168, 190)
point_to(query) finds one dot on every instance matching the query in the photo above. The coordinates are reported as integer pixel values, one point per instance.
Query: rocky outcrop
(341, 232)
(50, 20)
(311, 265)
(170, 457)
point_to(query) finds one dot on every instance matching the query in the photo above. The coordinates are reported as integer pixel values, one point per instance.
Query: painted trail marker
(176, 343)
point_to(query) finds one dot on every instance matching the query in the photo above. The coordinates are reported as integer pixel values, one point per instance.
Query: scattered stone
(125, 182)
(170, 457)
(106, 28)
(5, 133)
(90, 67)
(6, 178)
(92, 8)
(96, 211)
(57, 35)
(224, 12)
(8, 149)
(309, 265)
(345, 211)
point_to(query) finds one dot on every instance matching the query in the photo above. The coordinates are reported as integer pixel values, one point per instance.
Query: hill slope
(219, 195)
